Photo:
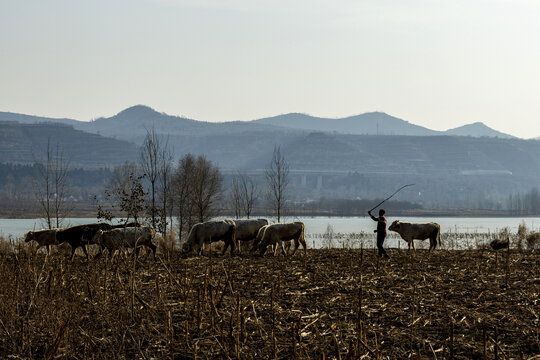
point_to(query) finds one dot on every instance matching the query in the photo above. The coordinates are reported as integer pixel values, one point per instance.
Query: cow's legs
(433, 241)
(304, 245)
(73, 248)
(153, 248)
(226, 247)
(296, 246)
(282, 248)
(85, 251)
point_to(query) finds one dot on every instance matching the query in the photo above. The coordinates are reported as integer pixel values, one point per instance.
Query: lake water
(471, 229)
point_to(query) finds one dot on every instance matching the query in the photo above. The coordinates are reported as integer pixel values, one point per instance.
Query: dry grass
(332, 303)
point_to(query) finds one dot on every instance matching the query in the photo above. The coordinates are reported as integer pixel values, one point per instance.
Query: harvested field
(332, 304)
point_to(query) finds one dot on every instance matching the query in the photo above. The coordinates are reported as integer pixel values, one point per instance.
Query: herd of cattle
(231, 232)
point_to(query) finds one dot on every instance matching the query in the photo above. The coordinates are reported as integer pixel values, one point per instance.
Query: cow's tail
(302, 238)
(233, 239)
(439, 235)
(188, 245)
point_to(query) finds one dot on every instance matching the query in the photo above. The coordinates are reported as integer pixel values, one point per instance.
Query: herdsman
(381, 231)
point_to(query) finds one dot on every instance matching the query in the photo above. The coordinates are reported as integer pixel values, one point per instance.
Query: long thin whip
(395, 192)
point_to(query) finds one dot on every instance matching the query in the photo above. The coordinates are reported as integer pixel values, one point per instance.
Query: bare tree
(181, 193)
(155, 160)
(208, 189)
(51, 185)
(196, 190)
(244, 193)
(149, 158)
(165, 180)
(277, 178)
(236, 197)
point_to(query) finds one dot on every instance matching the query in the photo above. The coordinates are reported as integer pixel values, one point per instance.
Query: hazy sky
(435, 63)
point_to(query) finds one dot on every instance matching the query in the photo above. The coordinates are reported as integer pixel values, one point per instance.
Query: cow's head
(258, 239)
(87, 234)
(98, 237)
(191, 246)
(262, 249)
(186, 248)
(29, 236)
(394, 226)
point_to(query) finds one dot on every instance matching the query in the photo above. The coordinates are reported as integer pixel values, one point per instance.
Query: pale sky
(435, 63)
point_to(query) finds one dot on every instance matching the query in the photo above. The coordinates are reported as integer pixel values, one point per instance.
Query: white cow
(208, 232)
(277, 234)
(411, 231)
(129, 237)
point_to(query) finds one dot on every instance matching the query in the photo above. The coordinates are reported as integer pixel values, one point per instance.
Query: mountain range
(132, 123)
(375, 123)
(354, 157)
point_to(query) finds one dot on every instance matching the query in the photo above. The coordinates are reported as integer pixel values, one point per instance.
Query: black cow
(82, 235)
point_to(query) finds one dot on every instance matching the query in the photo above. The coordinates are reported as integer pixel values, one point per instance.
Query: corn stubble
(336, 304)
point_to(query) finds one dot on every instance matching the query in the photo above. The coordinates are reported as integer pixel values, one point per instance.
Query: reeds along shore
(337, 304)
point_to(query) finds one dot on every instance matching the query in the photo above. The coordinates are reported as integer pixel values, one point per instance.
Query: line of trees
(157, 191)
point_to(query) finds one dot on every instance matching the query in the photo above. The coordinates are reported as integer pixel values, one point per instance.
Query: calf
(410, 231)
(43, 238)
(129, 237)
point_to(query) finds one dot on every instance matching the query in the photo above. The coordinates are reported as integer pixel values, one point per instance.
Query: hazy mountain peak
(138, 111)
(477, 129)
(372, 123)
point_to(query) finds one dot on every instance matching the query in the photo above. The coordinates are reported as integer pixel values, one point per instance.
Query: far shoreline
(439, 213)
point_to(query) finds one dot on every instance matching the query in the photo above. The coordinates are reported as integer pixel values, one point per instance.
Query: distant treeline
(17, 194)
(524, 204)
(351, 207)
(17, 182)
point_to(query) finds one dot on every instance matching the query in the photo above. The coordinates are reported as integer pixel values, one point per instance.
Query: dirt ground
(335, 304)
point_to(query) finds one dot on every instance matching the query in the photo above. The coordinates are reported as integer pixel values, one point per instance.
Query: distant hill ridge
(26, 143)
(131, 124)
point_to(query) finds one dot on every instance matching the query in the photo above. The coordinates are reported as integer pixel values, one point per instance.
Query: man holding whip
(381, 232)
(381, 223)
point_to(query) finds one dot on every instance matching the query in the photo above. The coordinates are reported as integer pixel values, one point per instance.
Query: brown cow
(497, 244)
(410, 231)
(208, 232)
(43, 238)
(277, 234)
